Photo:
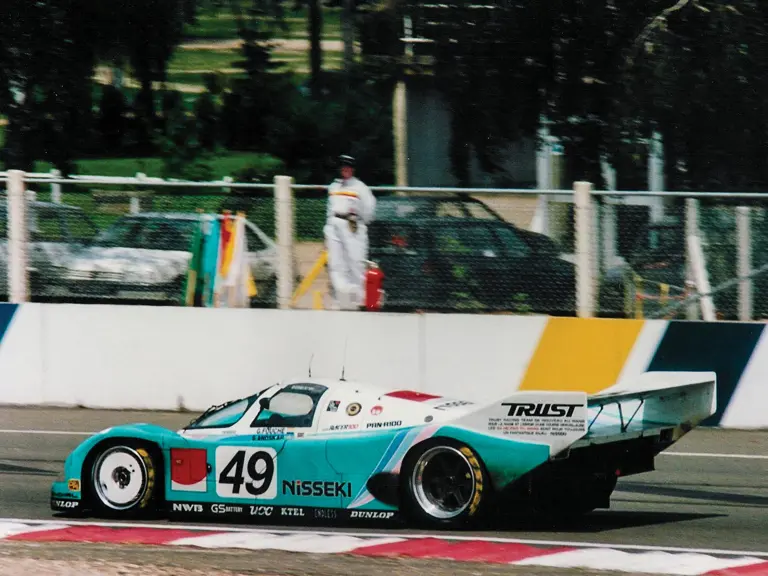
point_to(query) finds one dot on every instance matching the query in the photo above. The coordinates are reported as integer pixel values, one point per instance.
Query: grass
(223, 26)
(208, 60)
(222, 165)
(104, 204)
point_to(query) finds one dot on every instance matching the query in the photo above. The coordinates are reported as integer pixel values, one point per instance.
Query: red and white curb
(648, 559)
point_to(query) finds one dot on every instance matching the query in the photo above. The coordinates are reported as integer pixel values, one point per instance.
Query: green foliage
(605, 74)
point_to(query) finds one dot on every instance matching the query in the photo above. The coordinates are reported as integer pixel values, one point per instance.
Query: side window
(479, 211)
(46, 226)
(449, 210)
(254, 242)
(466, 241)
(81, 228)
(513, 244)
(293, 407)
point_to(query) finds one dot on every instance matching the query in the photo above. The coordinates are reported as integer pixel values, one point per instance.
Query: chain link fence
(132, 240)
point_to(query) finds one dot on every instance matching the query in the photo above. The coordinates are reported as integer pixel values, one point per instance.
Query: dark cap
(346, 160)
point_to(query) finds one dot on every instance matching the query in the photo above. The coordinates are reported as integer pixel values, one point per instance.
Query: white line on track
(391, 534)
(716, 455)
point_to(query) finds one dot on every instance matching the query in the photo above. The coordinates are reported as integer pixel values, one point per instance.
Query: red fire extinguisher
(374, 279)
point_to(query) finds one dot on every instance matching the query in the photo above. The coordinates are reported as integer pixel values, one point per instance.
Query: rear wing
(653, 401)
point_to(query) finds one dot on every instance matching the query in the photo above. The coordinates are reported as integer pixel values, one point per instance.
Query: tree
(47, 60)
(585, 66)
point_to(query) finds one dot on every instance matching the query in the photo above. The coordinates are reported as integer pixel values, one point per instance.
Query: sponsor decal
(261, 510)
(186, 507)
(251, 512)
(269, 437)
(325, 488)
(326, 513)
(226, 509)
(344, 427)
(371, 514)
(65, 504)
(333, 406)
(354, 409)
(452, 404)
(267, 431)
(538, 419)
(376, 410)
(74, 485)
(541, 410)
(246, 472)
(306, 388)
(389, 424)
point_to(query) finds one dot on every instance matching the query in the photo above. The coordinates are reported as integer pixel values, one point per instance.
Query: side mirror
(264, 403)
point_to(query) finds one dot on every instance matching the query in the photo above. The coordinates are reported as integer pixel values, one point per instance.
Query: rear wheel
(445, 484)
(122, 480)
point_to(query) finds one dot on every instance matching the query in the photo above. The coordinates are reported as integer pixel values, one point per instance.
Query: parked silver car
(144, 258)
(56, 233)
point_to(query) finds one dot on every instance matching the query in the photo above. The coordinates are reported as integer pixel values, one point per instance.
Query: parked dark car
(470, 264)
(433, 205)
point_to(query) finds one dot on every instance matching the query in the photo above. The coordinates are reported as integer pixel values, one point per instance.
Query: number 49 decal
(246, 473)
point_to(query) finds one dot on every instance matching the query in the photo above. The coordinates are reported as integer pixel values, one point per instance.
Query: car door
(303, 478)
(398, 247)
(474, 267)
(546, 280)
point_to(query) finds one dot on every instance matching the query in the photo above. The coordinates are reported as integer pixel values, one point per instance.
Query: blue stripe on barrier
(7, 312)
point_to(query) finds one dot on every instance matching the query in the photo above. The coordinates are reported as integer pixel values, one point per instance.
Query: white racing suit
(351, 206)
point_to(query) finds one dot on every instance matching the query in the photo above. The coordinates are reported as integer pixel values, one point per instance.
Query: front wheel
(122, 481)
(445, 484)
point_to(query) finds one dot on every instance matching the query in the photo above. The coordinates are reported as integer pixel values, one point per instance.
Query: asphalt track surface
(710, 491)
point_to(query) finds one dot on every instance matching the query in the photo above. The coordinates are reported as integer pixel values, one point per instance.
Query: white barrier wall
(167, 358)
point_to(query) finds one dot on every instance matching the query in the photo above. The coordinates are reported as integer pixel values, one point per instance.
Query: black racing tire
(424, 485)
(123, 479)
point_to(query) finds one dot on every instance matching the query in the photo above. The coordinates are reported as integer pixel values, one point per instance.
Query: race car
(322, 450)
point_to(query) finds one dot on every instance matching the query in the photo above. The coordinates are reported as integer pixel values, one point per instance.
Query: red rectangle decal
(412, 395)
(189, 467)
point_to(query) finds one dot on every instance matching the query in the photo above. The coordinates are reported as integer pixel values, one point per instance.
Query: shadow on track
(694, 494)
(6, 468)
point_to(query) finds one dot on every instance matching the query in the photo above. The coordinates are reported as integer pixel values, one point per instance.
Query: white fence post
(56, 187)
(585, 244)
(284, 228)
(135, 205)
(691, 229)
(744, 262)
(18, 270)
(701, 277)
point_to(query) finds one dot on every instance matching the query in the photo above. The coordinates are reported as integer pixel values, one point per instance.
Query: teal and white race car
(315, 450)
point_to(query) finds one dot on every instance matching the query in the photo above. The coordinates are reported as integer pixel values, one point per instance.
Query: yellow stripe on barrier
(581, 354)
(310, 278)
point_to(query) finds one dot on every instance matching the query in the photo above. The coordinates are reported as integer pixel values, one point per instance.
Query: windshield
(226, 414)
(149, 234)
(408, 208)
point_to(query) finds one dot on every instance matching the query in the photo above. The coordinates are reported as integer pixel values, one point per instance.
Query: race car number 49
(246, 473)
